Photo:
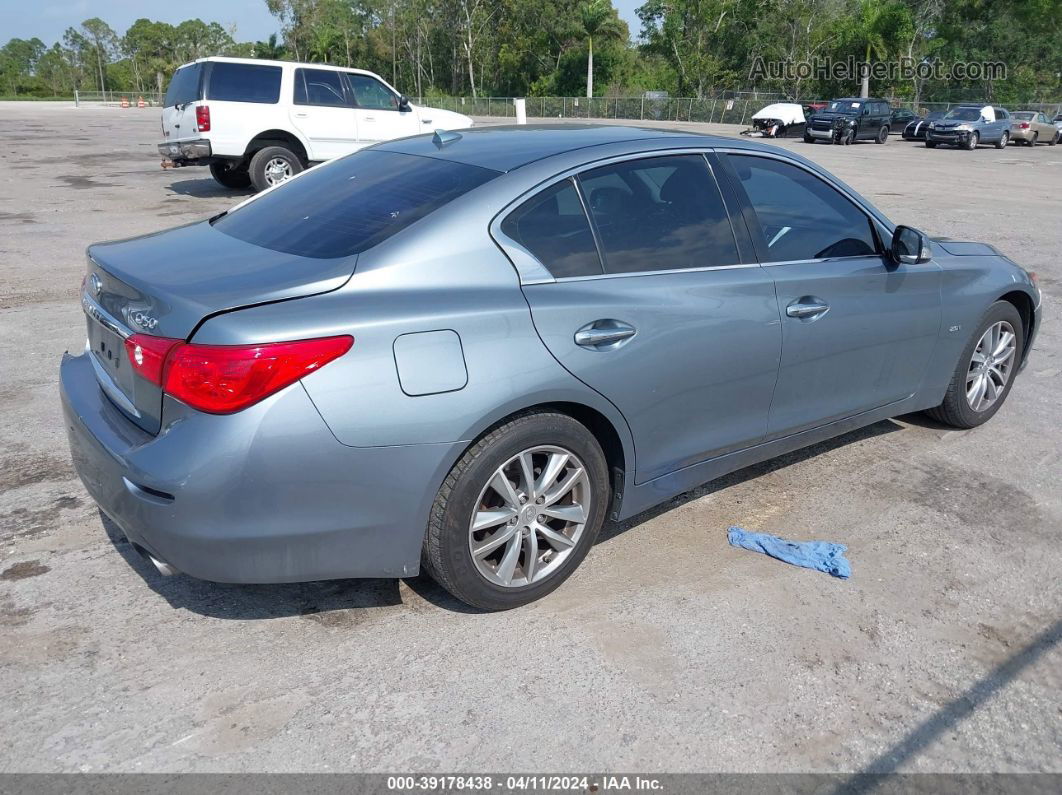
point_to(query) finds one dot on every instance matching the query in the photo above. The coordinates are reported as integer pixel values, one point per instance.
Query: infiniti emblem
(96, 283)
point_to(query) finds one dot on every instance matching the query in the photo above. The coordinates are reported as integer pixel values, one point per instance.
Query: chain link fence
(737, 110)
(117, 99)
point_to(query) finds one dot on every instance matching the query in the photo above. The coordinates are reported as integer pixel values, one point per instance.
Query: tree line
(688, 48)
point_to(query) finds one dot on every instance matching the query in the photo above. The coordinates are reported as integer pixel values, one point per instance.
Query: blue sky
(48, 20)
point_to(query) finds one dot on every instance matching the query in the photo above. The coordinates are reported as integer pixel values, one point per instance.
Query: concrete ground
(667, 651)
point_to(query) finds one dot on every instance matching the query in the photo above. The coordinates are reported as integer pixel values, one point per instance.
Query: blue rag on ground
(818, 555)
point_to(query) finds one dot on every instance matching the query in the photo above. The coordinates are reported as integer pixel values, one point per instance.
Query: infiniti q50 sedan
(464, 353)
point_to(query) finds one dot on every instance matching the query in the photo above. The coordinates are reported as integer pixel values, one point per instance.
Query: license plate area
(108, 348)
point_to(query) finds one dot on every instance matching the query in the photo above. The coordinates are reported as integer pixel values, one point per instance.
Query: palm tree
(598, 18)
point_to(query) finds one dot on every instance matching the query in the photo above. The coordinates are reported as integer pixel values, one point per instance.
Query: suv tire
(972, 141)
(1004, 139)
(272, 165)
(883, 135)
(468, 491)
(231, 175)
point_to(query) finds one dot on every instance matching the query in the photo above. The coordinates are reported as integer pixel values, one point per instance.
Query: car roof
(508, 147)
(266, 62)
(857, 99)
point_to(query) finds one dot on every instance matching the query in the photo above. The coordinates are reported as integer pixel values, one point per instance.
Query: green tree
(598, 18)
(102, 42)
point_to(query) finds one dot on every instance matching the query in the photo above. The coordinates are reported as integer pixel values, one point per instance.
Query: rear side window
(242, 82)
(319, 87)
(351, 204)
(553, 227)
(802, 217)
(184, 87)
(661, 213)
(371, 94)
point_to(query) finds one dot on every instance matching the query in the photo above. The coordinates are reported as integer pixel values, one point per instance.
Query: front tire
(808, 139)
(231, 175)
(518, 512)
(985, 372)
(973, 140)
(272, 165)
(931, 144)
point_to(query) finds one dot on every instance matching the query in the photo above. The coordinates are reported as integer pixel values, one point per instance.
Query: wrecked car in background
(779, 120)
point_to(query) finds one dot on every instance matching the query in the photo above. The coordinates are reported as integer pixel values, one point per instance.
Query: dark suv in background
(845, 121)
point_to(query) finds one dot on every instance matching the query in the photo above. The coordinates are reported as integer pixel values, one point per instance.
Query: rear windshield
(243, 82)
(352, 204)
(184, 87)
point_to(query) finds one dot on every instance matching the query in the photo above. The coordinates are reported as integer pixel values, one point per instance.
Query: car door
(323, 111)
(655, 302)
(377, 110)
(857, 331)
(999, 126)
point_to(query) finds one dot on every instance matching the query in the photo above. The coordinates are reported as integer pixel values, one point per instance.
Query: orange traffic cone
(125, 102)
(140, 103)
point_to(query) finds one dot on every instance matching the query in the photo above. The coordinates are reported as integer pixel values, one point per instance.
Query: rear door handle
(807, 307)
(604, 334)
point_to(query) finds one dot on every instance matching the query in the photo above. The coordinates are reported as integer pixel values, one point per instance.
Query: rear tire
(231, 175)
(272, 165)
(883, 135)
(956, 410)
(1032, 141)
(497, 580)
(1004, 139)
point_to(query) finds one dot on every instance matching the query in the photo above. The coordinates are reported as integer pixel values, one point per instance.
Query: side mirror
(403, 104)
(909, 247)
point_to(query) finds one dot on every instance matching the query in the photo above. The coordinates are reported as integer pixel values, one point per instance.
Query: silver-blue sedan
(464, 353)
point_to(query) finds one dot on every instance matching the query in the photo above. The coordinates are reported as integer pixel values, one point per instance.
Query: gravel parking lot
(667, 650)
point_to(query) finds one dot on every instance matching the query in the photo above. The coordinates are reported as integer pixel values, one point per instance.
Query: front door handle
(604, 334)
(301, 115)
(807, 307)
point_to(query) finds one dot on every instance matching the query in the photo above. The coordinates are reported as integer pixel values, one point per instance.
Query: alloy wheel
(529, 516)
(277, 170)
(990, 366)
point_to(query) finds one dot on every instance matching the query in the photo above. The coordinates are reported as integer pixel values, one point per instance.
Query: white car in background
(257, 123)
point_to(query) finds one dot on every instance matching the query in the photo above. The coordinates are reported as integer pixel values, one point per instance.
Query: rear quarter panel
(445, 274)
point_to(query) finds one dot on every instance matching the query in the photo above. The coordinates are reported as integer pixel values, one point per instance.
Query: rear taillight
(147, 355)
(202, 118)
(1024, 125)
(222, 379)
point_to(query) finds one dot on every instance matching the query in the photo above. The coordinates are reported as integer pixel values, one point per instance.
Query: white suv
(259, 122)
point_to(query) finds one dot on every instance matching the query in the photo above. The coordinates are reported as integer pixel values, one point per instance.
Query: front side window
(371, 94)
(319, 87)
(242, 82)
(553, 227)
(352, 204)
(801, 216)
(660, 213)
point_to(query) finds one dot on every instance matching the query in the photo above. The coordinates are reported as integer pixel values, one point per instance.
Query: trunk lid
(165, 284)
